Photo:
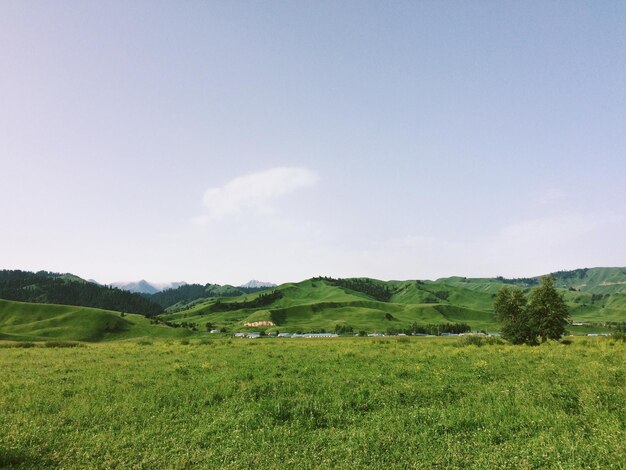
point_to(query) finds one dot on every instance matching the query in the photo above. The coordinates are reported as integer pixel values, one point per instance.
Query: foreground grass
(397, 403)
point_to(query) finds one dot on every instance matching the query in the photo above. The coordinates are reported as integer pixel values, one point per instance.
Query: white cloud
(256, 192)
(525, 248)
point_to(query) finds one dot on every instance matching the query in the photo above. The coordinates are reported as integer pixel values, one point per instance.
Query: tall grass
(341, 403)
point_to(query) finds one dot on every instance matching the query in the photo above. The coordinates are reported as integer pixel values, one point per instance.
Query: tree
(547, 310)
(510, 308)
(343, 329)
(545, 316)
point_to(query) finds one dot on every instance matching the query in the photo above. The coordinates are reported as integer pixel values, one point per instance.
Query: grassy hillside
(35, 322)
(593, 295)
(66, 289)
(594, 280)
(317, 304)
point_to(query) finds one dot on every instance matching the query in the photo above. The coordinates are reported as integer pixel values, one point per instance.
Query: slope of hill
(319, 303)
(67, 289)
(594, 280)
(29, 321)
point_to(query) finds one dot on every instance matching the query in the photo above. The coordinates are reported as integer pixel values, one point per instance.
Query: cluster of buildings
(273, 334)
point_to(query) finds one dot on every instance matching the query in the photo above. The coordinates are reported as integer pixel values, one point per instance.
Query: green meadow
(313, 403)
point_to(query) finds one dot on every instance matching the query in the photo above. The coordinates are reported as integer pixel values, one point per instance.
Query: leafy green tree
(544, 317)
(510, 308)
(343, 329)
(547, 310)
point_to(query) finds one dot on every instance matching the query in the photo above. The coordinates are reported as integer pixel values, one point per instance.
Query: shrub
(619, 335)
(478, 341)
(343, 329)
(61, 344)
(19, 344)
(470, 341)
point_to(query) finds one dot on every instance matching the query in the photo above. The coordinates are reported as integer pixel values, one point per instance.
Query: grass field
(322, 403)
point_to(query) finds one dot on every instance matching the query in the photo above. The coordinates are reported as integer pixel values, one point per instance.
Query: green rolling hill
(20, 321)
(67, 289)
(317, 304)
(595, 296)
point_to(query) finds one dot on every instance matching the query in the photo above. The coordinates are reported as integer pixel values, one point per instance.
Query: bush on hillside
(62, 344)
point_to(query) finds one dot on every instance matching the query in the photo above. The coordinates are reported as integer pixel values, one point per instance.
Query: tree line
(434, 329)
(365, 286)
(263, 300)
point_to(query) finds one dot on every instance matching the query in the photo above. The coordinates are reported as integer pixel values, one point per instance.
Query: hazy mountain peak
(145, 287)
(254, 284)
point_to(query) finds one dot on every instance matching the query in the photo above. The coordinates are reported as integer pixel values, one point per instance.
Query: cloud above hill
(255, 192)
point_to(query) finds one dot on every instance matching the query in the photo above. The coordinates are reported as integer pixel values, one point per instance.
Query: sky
(223, 141)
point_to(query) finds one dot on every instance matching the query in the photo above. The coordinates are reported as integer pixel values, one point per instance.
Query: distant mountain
(189, 294)
(183, 295)
(145, 287)
(254, 284)
(139, 287)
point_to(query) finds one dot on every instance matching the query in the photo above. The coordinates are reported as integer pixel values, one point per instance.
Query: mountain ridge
(145, 287)
(255, 284)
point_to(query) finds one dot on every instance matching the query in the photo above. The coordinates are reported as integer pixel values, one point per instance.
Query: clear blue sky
(223, 141)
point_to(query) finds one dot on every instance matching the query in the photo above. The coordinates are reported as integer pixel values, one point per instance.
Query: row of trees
(435, 329)
(191, 292)
(542, 317)
(374, 289)
(263, 300)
